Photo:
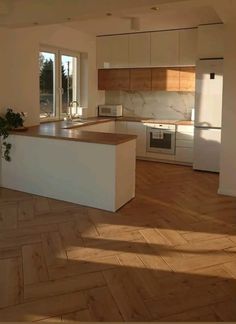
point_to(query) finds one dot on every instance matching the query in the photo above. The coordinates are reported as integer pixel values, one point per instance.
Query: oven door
(161, 140)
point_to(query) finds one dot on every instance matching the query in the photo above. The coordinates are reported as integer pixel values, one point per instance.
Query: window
(59, 83)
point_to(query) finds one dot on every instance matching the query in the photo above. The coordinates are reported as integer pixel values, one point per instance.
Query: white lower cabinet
(160, 157)
(137, 128)
(184, 144)
(184, 140)
(121, 127)
(107, 127)
(184, 155)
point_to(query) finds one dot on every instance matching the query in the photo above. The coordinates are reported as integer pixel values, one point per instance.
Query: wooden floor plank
(44, 308)
(126, 295)
(205, 314)
(8, 217)
(101, 305)
(80, 316)
(53, 249)
(26, 210)
(10, 282)
(34, 266)
(62, 286)
(168, 255)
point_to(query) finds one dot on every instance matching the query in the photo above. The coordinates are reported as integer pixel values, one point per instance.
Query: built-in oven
(161, 138)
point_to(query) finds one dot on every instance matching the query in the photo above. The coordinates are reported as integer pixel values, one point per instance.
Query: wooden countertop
(54, 130)
(74, 132)
(156, 121)
(98, 120)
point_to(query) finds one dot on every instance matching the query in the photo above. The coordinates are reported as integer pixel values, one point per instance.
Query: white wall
(19, 61)
(228, 153)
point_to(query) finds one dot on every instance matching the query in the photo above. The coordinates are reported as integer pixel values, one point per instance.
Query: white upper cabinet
(103, 52)
(139, 50)
(188, 47)
(211, 41)
(119, 51)
(165, 48)
(155, 49)
(113, 51)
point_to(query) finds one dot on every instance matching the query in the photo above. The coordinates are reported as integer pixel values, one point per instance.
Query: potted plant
(10, 121)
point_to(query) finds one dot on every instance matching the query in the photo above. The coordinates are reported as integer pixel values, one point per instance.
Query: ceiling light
(155, 8)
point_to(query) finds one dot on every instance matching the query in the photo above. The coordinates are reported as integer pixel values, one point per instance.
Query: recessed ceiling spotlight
(155, 8)
(108, 14)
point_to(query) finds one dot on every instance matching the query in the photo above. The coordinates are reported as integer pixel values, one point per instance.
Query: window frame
(59, 52)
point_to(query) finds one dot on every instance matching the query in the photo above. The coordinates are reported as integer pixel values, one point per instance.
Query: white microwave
(110, 110)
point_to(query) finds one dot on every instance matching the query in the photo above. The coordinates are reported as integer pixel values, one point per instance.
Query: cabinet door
(113, 51)
(121, 127)
(211, 41)
(185, 133)
(103, 79)
(139, 50)
(103, 52)
(140, 130)
(165, 79)
(119, 51)
(165, 48)
(188, 47)
(114, 79)
(184, 154)
(140, 79)
(187, 79)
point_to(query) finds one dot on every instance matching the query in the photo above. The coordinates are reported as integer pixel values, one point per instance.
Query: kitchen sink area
(68, 124)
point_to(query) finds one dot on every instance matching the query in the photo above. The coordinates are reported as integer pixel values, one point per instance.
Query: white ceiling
(168, 17)
(90, 15)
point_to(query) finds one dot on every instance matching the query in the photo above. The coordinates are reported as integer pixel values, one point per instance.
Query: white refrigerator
(208, 115)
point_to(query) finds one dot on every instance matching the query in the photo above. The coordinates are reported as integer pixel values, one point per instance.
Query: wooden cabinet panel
(165, 48)
(156, 79)
(140, 79)
(114, 79)
(103, 79)
(188, 47)
(187, 79)
(165, 79)
(139, 50)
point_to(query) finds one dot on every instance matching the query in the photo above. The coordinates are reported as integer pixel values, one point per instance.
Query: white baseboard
(227, 192)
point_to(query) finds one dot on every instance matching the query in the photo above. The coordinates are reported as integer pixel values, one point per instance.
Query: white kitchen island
(88, 168)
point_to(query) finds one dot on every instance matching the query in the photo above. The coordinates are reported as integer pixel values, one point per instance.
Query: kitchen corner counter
(54, 130)
(90, 168)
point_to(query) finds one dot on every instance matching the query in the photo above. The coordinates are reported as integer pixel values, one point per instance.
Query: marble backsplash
(153, 104)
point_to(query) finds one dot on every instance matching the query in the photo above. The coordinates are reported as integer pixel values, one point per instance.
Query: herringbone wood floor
(169, 255)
